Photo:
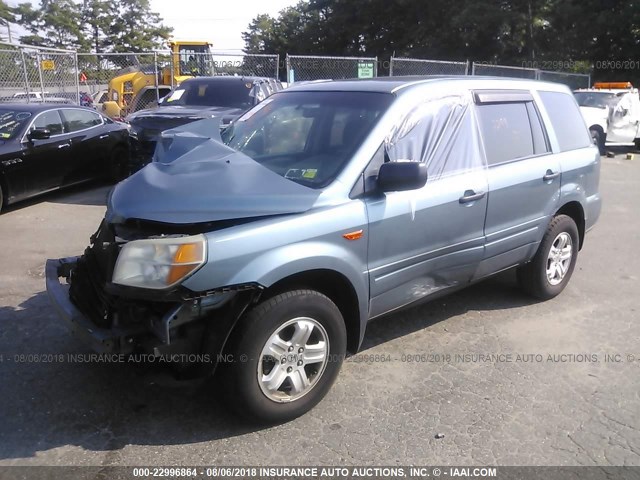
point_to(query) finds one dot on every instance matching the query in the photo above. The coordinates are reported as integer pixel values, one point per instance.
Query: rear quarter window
(566, 120)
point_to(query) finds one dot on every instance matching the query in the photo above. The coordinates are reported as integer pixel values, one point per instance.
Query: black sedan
(44, 147)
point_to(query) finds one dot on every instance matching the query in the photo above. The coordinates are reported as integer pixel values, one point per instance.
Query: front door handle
(103, 136)
(550, 175)
(471, 196)
(64, 145)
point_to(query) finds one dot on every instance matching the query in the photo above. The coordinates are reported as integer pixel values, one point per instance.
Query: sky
(221, 22)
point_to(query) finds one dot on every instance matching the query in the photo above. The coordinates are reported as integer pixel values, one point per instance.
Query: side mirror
(39, 134)
(400, 176)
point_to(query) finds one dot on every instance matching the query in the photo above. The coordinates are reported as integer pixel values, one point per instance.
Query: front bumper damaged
(190, 323)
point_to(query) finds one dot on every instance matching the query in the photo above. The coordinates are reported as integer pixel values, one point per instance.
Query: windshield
(307, 137)
(234, 94)
(597, 99)
(11, 122)
(195, 60)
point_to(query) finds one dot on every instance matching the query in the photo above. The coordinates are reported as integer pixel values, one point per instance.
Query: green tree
(57, 23)
(137, 28)
(97, 17)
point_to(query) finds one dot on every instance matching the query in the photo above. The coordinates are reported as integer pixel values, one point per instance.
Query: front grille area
(89, 278)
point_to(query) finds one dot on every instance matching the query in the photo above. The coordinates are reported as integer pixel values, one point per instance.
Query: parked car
(612, 113)
(48, 146)
(192, 100)
(326, 206)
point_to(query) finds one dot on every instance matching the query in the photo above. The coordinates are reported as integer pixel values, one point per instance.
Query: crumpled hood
(195, 178)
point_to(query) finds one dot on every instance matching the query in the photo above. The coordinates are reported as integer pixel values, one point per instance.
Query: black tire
(533, 276)
(1, 198)
(637, 143)
(600, 139)
(240, 379)
(118, 167)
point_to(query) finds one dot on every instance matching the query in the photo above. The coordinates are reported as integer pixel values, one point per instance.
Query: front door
(425, 240)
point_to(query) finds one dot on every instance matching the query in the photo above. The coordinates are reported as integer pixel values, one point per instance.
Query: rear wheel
(1, 198)
(287, 353)
(551, 268)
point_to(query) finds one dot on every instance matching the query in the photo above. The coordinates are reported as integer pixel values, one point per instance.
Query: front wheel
(287, 352)
(551, 268)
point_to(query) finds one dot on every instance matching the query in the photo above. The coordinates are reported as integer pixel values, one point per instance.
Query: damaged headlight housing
(161, 262)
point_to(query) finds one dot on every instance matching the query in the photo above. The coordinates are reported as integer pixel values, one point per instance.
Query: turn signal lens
(188, 257)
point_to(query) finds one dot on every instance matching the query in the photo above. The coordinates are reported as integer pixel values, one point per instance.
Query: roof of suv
(395, 84)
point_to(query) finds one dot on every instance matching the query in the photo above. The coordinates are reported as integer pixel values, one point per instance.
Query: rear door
(524, 177)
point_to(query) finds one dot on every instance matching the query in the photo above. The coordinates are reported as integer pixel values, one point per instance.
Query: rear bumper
(101, 340)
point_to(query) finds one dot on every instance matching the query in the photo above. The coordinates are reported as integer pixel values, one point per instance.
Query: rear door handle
(103, 136)
(64, 145)
(550, 175)
(471, 196)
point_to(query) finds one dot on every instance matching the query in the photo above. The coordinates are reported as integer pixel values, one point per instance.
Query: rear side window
(566, 120)
(75, 119)
(506, 131)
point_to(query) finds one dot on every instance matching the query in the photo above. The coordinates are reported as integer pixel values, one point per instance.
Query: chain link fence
(37, 74)
(303, 68)
(572, 80)
(415, 66)
(492, 70)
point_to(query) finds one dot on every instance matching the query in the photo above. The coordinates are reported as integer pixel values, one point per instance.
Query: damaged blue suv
(264, 252)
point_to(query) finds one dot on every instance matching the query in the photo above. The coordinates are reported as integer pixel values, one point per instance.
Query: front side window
(441, 132)
(76, 120)
(506, 131)
(50, 120)
(307, 137)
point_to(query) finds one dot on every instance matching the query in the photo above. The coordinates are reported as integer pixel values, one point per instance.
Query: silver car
(263, 254)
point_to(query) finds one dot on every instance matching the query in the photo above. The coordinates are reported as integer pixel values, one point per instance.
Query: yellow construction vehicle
(188, 59)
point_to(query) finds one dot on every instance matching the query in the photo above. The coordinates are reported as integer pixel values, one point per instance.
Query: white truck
(611, 110)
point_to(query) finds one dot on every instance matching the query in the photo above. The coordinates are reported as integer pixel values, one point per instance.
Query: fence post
(77, 69)
(26, 77)
(155, 75)
(288, 65)
(375, 67)
(39, 60)
(473, 68)
(391, 66)
(467, 69)
(277, 66)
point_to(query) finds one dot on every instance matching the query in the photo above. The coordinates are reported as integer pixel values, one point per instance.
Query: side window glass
(540, 144)
(506, 131)
(566, 120)
(49, 120)
(76, 120)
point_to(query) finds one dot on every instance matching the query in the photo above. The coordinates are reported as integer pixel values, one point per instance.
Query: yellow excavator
(188, 59)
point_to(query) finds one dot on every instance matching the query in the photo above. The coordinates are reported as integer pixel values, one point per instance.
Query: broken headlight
(161, 262)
